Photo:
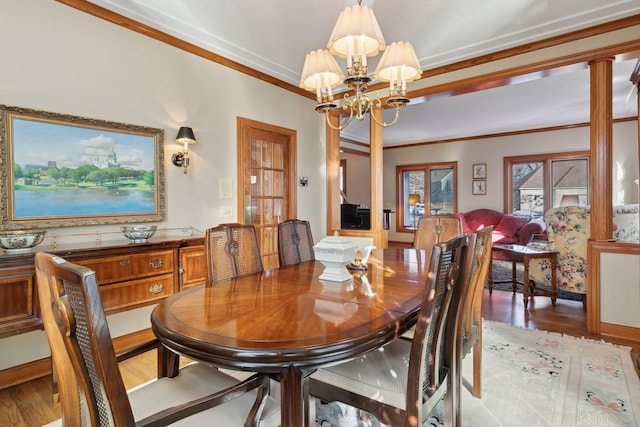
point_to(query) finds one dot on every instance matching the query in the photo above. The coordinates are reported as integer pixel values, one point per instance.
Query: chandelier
(355, 37)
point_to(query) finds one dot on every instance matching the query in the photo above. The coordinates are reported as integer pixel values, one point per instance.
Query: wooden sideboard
(130, 276)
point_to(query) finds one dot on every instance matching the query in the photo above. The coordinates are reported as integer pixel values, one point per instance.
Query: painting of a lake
(68, 171)
(82, 202)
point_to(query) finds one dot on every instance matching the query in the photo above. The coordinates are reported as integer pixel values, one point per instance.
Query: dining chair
(295, 242)
(91, 388)
(433, 229)
(475, 270)
(401, 382)
(232, 251)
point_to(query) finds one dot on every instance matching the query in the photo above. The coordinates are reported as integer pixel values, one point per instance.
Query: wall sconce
(185, 136)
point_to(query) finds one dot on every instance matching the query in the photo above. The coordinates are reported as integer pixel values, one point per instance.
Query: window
(425, 189)
(539, 182)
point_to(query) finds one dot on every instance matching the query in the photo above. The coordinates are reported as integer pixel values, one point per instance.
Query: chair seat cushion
(380, 374)
(194, 381)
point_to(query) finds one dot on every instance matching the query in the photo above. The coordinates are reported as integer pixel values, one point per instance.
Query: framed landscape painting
(61, 170)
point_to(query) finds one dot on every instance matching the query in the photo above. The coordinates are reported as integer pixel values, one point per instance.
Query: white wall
(492, 152)
(58, 59)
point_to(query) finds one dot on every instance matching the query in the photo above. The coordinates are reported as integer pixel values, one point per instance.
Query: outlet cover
(225, 211)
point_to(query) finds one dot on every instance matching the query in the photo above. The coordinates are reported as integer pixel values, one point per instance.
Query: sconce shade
(185, 136)
(413, 199)
(570, 200)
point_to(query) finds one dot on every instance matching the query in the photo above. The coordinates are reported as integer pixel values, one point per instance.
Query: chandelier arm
(339, 127)
(383, 124)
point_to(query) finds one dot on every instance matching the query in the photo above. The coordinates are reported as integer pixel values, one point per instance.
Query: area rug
(502, 271)
(534, 378)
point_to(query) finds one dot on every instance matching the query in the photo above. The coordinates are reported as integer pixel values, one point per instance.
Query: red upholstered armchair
(507, 229)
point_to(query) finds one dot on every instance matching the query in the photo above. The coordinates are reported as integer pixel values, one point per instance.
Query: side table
(527, 254)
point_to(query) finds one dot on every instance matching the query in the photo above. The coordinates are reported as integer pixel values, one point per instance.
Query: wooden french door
(266, 182)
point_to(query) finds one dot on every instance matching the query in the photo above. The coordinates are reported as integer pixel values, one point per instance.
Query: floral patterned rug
(535, 378)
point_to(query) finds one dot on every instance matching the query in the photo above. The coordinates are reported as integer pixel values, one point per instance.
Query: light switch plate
(225, 211)
(226, 186)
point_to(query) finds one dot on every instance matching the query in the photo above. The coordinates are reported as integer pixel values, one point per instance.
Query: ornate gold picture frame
(61, 170)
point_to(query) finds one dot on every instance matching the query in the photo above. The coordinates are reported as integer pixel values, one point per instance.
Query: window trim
(425, 167)
(546, 159)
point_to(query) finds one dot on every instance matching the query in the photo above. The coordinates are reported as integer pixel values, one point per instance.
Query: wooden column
(381, 236)
(333, 175)
(601, 149)
(601, 181)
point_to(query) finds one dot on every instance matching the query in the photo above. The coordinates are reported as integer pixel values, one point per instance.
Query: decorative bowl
(21, 240)
(138, 233)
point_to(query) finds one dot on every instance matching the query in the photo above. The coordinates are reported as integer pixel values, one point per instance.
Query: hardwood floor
(31, 404)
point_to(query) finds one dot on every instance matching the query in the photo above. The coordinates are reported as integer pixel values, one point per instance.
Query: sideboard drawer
(120, 268)
(136, 292)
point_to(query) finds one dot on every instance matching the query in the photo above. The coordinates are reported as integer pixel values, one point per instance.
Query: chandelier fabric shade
(321, 72)
(356, 35)
(399, 65)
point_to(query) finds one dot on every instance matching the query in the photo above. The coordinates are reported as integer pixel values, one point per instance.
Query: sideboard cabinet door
(18, 307)
(193, 266)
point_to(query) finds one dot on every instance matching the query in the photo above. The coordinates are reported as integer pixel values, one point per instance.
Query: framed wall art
(479, 186)
(61, 170)
(480, 171)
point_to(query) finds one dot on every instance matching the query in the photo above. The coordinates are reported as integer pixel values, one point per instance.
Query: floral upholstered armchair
(626, 223)
(568, 232)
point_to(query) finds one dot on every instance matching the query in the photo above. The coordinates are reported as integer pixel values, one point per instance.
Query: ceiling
(274, 36)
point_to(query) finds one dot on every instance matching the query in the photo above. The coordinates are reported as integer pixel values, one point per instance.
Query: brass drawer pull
(156, 263)
(156, 289)
(125, 263)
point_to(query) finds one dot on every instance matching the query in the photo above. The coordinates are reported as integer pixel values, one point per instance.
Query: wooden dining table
(287, 322)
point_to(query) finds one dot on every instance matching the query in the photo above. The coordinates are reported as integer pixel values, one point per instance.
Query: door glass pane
(278, 210)
(441, 185)
(278, 183)
(570, 182)
(267, 183)
(256, 182)
(267, 155)
(256, 211)
(527, 182)
(267, 207)
(414, 205)
(278, 156)
(256, 152)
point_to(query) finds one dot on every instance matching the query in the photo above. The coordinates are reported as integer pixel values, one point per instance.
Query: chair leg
(450, 412)
(477, 369)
